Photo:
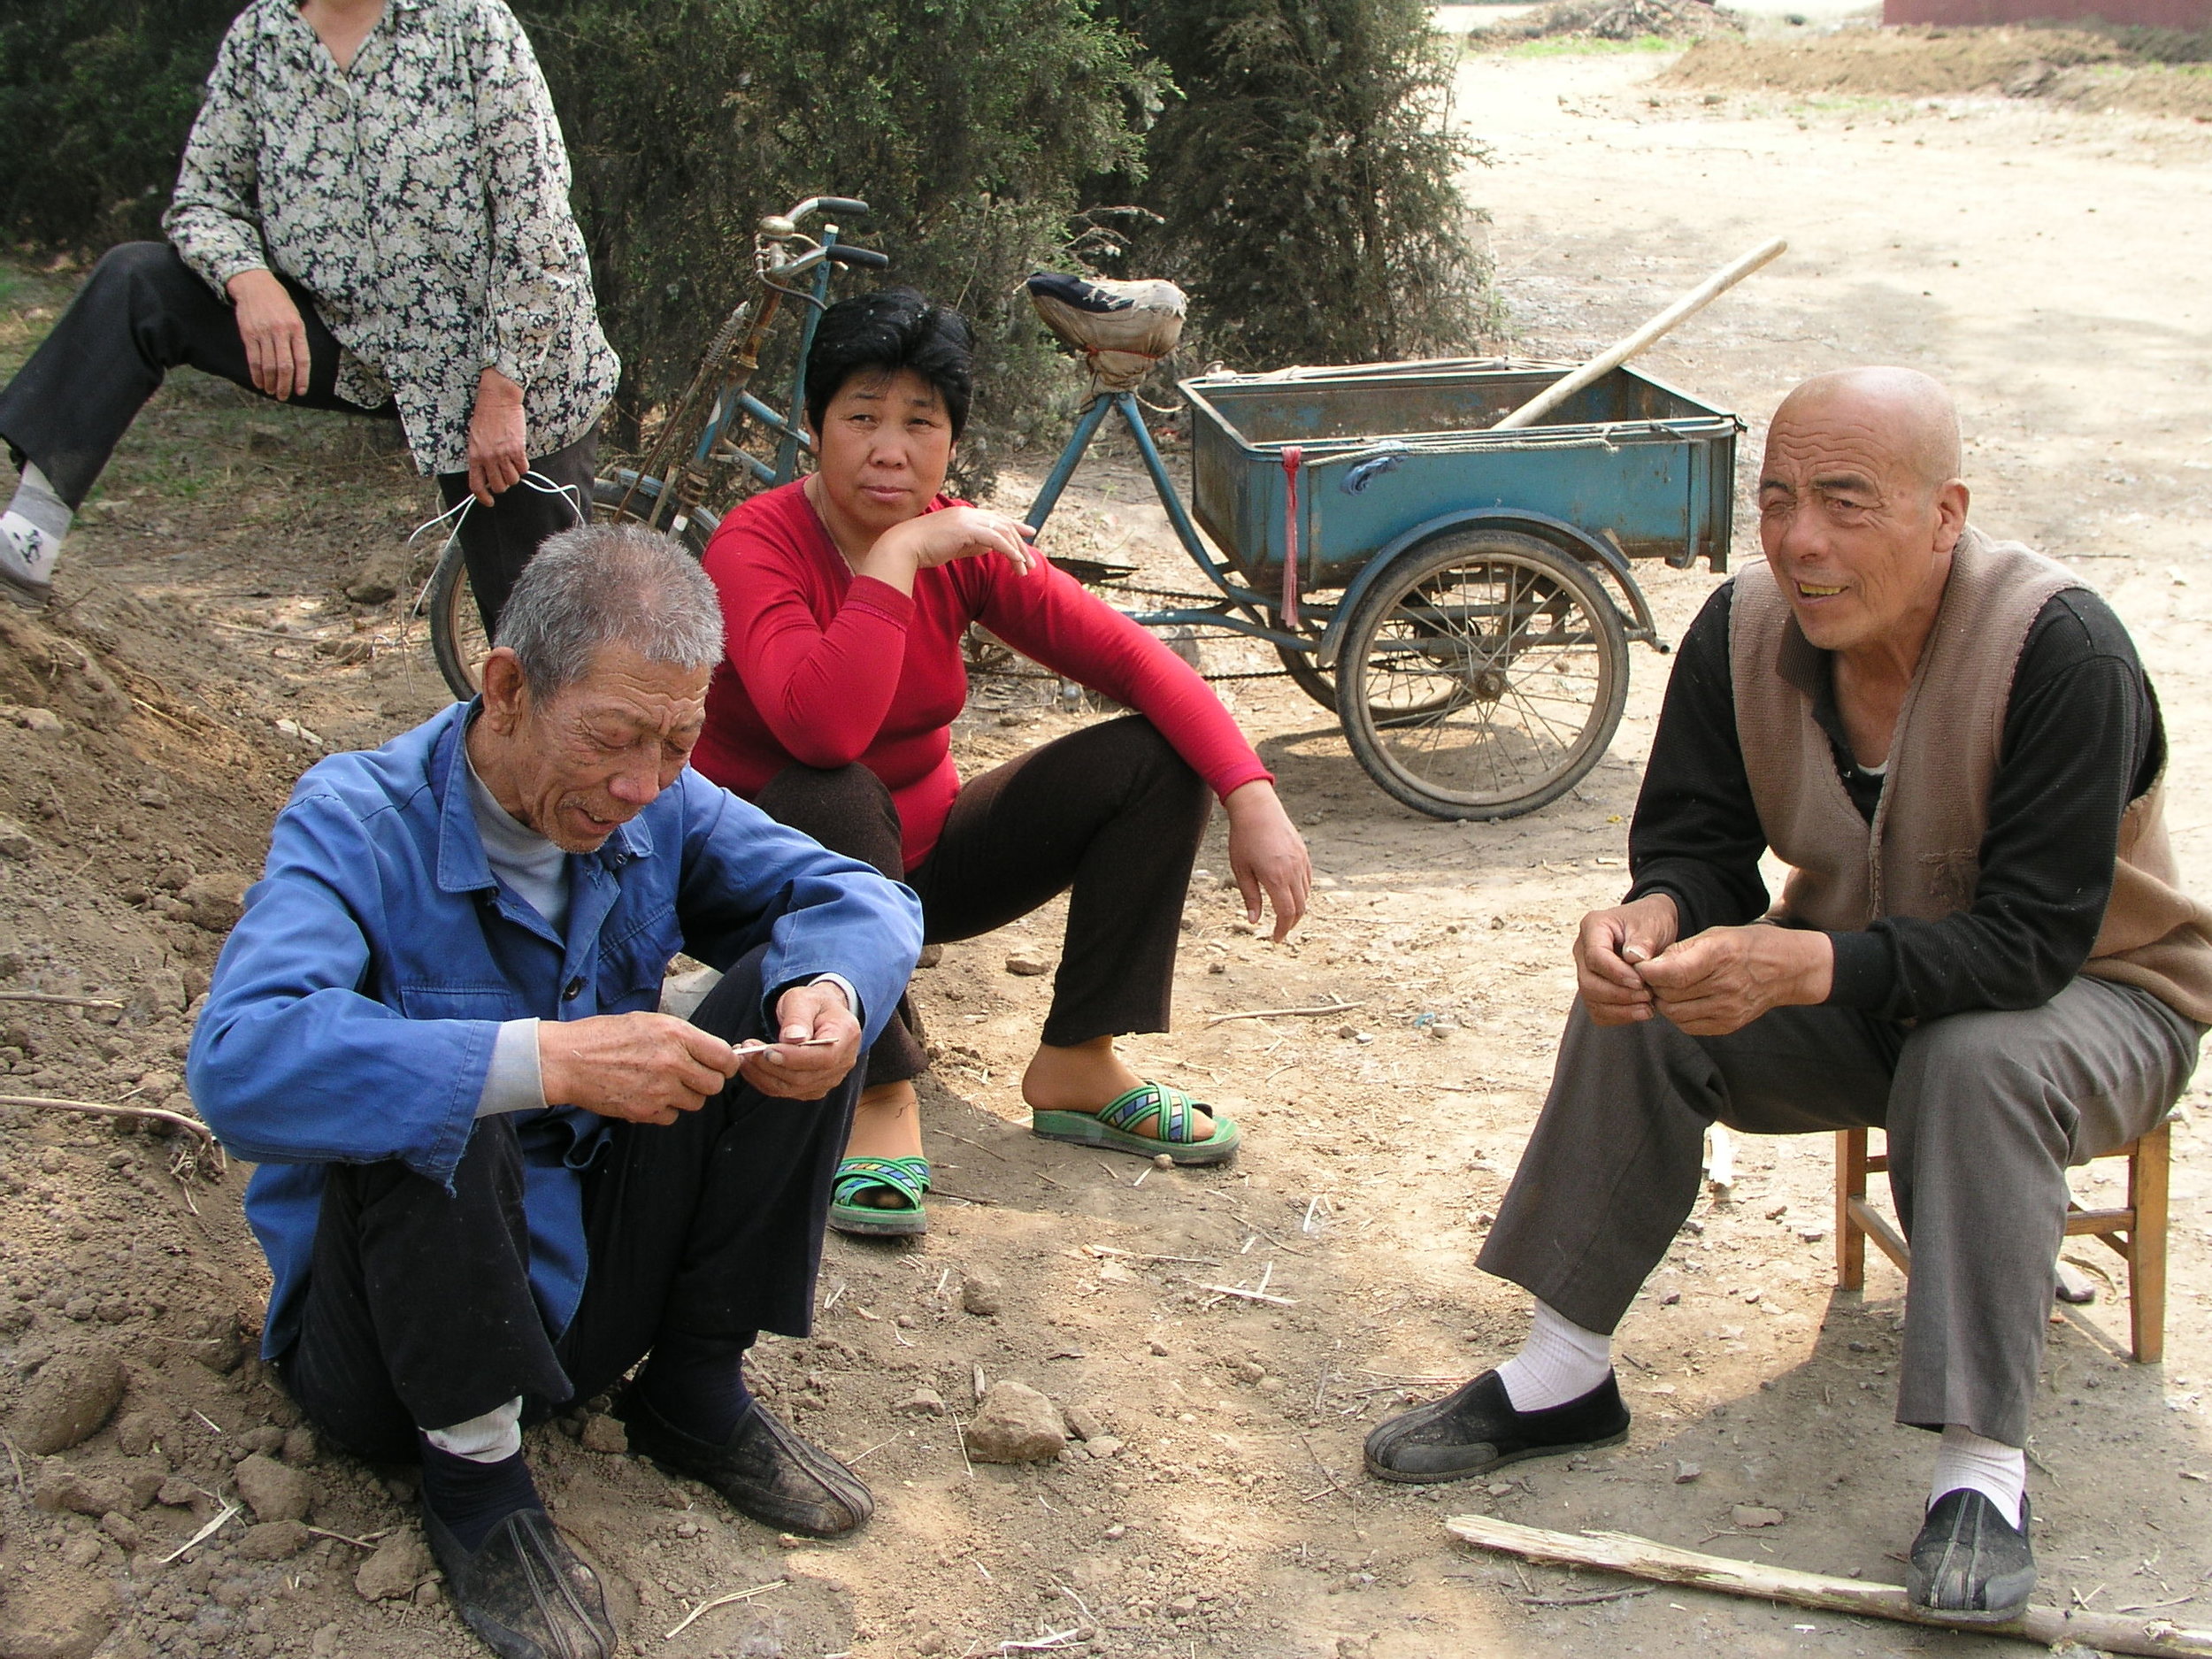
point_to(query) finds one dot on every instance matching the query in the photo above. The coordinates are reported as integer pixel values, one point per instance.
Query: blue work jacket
(353, 1010)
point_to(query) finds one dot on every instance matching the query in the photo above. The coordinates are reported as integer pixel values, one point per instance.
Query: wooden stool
(2137, 1233)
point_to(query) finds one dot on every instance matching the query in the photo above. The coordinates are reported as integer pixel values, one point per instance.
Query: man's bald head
(1908, 413)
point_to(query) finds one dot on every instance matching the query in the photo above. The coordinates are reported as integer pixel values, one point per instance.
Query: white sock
(32, 529)
(1990, 1467)
(1560, 1362)
(491, 1438)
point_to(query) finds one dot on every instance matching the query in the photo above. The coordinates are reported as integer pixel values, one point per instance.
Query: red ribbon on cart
(1293, 457)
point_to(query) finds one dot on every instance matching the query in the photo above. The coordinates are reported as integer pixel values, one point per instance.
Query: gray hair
(609, 584)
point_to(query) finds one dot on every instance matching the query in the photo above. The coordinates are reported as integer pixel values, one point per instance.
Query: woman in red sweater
(845, 597)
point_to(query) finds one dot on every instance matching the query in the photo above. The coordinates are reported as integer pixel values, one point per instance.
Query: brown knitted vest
(1922, 855)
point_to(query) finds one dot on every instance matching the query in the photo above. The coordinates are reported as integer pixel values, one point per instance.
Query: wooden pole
(1641, 1558)
(1619, 352)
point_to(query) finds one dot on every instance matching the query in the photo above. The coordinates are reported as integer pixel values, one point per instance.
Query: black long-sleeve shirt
(2082, 738)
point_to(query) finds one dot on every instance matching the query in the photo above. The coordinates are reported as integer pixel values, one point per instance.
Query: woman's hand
(274, 337)
(938, 538)
(1267, 853)
(499, 438)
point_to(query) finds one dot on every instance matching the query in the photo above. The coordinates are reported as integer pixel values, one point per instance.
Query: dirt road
(2046, 262)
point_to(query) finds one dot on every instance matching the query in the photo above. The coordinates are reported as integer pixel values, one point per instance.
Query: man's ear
(1950, 505)
(506, 690)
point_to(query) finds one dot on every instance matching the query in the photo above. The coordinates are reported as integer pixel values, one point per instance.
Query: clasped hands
(1629, 965)
(646, 1068)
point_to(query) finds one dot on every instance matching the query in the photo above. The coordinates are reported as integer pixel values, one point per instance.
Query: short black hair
(882, 333)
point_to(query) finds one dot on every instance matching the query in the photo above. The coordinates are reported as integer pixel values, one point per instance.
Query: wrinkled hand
(269, 326)
(803, 1013)
(499, 437)
(1607, 949)
(641, 1068)
(1722, 979)
(1267, 853)
(957, 532)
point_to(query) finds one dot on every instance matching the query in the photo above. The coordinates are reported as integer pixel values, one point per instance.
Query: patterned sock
(32, 528)
(1560, 1362)
(698, 1383)
(1997, 1471)
(473, 1476)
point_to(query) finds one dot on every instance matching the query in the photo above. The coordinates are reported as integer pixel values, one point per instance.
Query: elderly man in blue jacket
(493, 1176)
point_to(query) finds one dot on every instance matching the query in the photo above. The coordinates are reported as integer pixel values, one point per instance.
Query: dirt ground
(2043, 258)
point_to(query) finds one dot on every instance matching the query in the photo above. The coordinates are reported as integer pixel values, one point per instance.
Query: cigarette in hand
(1634, 954)
(754, 1045)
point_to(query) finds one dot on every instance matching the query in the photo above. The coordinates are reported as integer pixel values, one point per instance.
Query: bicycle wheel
(1482, 676)
(457, 630)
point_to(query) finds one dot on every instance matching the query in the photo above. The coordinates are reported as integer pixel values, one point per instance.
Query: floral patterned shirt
(420, 196)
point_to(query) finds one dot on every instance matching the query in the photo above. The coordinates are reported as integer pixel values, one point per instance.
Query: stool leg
(1850, 1184)
(2148, 1173)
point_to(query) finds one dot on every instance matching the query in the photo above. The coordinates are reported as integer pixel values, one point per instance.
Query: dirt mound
(1619, 21)
(2068, 66)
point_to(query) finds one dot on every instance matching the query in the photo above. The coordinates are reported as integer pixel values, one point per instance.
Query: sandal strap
(909, 1178)
(1148, 1101)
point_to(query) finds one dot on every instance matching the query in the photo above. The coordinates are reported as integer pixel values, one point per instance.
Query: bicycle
(699, 443)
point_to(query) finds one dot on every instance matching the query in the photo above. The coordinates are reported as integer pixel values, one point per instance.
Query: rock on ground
(981, 1294)
(273, 1492)
(274, 1540)
(71, 1398)
(399, 1563)
(59, 1615)
(1016, 1424)
(68, 1489)
(603, 1434)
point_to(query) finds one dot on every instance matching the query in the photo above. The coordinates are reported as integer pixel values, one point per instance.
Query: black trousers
(143, 312)
(1111, 814)
(418, 1310)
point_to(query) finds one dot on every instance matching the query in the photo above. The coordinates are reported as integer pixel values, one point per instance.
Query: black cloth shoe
(524, 1592)
(763, 1470)
(1476, 1429)
(1969, 1563)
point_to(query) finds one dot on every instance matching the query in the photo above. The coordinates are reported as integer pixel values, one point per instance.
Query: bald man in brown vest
(1981, 947)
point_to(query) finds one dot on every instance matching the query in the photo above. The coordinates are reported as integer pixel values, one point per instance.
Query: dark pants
(418, 1310)
(141, 312)
(1111, 814)
(1984, 1111)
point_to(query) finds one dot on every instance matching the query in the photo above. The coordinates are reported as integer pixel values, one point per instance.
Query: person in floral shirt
(371, 216)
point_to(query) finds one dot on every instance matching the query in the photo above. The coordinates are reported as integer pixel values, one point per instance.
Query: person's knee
(826, 803)
(1138, 749)
(130, 265)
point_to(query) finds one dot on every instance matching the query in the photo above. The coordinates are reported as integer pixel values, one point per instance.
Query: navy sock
(471, 1498)
(698, 1383)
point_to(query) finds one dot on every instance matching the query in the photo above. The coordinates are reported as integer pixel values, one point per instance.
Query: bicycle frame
(736, 400)
(1240, 610)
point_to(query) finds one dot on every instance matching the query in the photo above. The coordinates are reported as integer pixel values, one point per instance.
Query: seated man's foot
(1971, 1564)
(524, 1590)
(1086, 1096)
(1476, 1429)
(763, 1470)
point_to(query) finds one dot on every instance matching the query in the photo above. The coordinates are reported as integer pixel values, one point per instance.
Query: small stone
(68, 1491)
(932, 955)
(1812, 1234)
(1117, 1532)
(981, 1294)
(1670, 1299)
(273, 1492)
(274, 1540)
(15, 841)
(301, 1448)
(1184, 1604)
(71, 1398)
(216, 902)
(1028, 964)
(1500, 1488)
(1161, 1161)
(381, 576)
(1015, 1424)
(925, 1403)
(145, 1483)
(1082, 1422)
(1158, 1348)
(427, 1593)
(177, 1493)
(1750, 1515)
(931, 1641)
(397, 1565)
(603, 1434)
(1685, 1473)
(43, 721)
(1775, 1212)
(1104, 1446)
(123, 1530)
(136, 1433)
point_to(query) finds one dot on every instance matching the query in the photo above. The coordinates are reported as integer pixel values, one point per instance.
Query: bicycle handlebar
(814, 204)
(845, 253)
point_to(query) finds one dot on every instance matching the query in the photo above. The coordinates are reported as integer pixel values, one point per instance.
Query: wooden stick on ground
(1284, 1013)
(54, 999)
(1641, 1558)
(177, 1120)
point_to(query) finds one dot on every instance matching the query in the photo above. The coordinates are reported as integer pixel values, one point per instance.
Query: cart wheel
(1317, 683)
(1482, 676)
(457, 629)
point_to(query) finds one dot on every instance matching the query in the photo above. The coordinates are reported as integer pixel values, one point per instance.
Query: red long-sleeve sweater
(825, 668)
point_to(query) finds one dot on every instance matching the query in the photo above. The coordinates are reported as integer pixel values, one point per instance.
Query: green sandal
(1113, 1126)
(909, 1178)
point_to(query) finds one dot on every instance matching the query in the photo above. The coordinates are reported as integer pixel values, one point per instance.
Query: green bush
(1306, 179)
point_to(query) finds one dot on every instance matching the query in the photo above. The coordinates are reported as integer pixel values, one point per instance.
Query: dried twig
(978, 1145)
(101, 1109)
(1053, 1638)
(1251, 1295)
(54, 999)
(936, 1191)
(367, 1541)
(203, 1535)
(724, 1601)
(1285, 1013)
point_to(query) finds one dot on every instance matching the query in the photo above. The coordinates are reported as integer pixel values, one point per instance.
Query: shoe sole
(1081, 1129)
(1446, 1477)
(896, 1224)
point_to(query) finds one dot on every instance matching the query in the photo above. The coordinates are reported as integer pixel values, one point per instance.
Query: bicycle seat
(1122, 328)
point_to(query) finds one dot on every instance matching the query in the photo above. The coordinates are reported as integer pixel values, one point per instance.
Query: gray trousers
(1983, 1112)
